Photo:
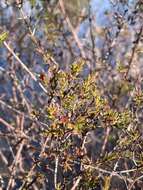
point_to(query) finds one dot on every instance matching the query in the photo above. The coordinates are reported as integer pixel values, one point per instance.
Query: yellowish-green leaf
(3, 37)
(107, 183)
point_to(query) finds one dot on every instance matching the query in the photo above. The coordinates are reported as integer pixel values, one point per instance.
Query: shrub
(74, 128)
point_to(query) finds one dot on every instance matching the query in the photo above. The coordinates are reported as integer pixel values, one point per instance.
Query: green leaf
(3, 37)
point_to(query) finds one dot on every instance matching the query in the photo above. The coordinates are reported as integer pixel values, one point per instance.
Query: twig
(25, 185)
(92, 38)
(22, 113)
(13, 166)
(113, 172)
(105, 140)
(133, 51)
(6, 124)
(77, 40)
(56, 171)
(4, 159)
(24, 67)
(135, 181)
(76, 183)
(34, 39)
